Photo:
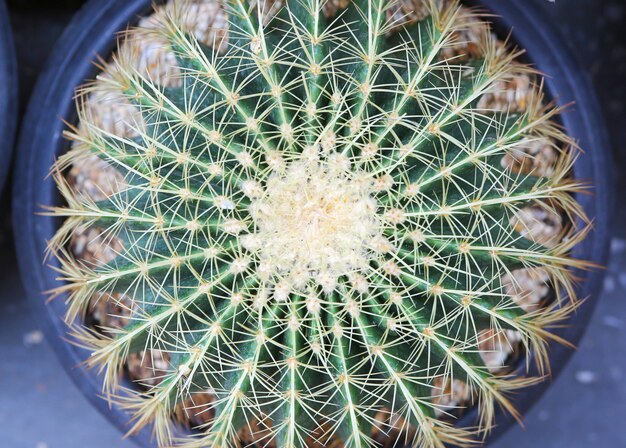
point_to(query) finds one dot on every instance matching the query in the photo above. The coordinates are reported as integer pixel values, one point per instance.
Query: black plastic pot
(8, 94)
(92, 32)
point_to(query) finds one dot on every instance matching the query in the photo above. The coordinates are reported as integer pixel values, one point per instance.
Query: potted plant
(328, 222)
(8, 93)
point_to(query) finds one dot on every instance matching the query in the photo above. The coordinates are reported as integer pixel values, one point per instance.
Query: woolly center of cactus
(314, 222)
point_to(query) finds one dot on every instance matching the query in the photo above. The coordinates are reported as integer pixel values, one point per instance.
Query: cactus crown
(315, 216)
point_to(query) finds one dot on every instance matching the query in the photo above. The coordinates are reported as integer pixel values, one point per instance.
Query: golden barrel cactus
(315, 221)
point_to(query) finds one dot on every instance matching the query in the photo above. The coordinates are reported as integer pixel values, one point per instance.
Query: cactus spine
(314, 219)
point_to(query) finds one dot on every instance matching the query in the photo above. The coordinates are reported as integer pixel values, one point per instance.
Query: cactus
(314, 219)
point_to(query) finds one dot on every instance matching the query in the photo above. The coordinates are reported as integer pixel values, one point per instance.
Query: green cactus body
(314, 220)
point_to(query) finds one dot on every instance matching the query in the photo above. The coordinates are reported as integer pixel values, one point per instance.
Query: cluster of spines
(322, 360)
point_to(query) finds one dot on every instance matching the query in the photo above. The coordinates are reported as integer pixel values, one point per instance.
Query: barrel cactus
(318, 212)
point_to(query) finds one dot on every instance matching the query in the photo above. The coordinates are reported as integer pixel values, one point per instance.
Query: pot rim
(90, 33)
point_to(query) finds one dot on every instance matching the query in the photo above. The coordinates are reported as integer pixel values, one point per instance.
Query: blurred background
(585, 407)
